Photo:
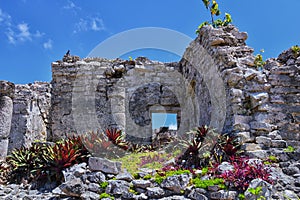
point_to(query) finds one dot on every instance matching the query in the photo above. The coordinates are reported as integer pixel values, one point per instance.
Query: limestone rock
(197, 194)
(223, 195)
(94, 177)
(176, 183)
(73, 188)
(117, 187)
(74, 172)
(6, 110)
(7, 89)
(104, 165)
(155, 192)
(266, 190)
(225, 166)
(141, 183)
(124, 176)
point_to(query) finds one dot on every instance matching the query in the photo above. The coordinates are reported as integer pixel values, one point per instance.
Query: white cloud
(17, 32)
(5, 19)
(97, 24)
(11, 36)
(90, 23)
(71, 6)
(21, 33)
(24, 32)
(48, 44)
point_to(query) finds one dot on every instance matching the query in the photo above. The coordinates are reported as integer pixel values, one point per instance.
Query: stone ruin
(215, 83)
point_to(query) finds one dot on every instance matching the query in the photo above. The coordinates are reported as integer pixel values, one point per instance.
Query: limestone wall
(24, 114)
(6, 110)
(96, 94)
(215, 83)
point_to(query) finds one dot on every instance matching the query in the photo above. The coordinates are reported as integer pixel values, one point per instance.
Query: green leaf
(227, 19)
(200, 26)
(206, 3)
(215, 8)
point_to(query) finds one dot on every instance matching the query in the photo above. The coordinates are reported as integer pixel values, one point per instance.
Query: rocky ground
(89, 181)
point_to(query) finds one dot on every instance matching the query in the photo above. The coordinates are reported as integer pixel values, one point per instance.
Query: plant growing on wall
(296, 50)
(214, 10)
(258, 61)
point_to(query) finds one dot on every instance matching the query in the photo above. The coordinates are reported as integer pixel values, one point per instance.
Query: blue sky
(164, 120)
(33, 33)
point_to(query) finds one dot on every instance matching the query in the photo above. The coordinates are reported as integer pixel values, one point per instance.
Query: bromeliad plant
(226, 146)
(204, 148)
(41, 160)
(191, 157)
(28, 163)
(64, 155)
(110, 144)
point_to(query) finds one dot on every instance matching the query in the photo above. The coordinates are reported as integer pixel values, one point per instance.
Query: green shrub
(104, 185)
(289, 149)
(166, 172)
(209, 182)
(296, 50)
(105, 195)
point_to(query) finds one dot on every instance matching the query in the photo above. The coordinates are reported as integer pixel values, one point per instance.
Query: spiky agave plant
(62, 156)
(28, 163)
(191, 157)
(227, 145)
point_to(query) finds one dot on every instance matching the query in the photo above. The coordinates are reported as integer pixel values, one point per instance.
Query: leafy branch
(213, 8)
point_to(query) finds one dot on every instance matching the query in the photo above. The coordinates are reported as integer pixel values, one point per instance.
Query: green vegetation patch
(199, 183)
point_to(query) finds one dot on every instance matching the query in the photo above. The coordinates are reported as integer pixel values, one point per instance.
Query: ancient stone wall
(6, 110)
(30, 119)
(215, 83)
(24, 114)
(97, 94)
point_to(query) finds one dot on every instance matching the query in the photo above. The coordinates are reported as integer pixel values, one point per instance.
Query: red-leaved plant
(245, 170)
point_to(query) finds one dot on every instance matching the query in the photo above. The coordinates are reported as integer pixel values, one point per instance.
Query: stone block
(258, 99)
(265, 141)
(104, 165)
(6, 110)
(7, 89)
(223, 195)
(278, 143)
(266, 189)
(245, 137)
(3, 148)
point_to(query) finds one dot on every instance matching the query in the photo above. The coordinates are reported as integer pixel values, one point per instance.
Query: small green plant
(204, 170)
(289, 149)
(132, 189)
(136, 175)
(257, 191)
(159, 179)
(161, 175)
(105, 195)
(147, 177)
(258, 61)
(241, 196)
(213, 8)
(209, 182)
(271, 159)
(104, 185)
(296, 50)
